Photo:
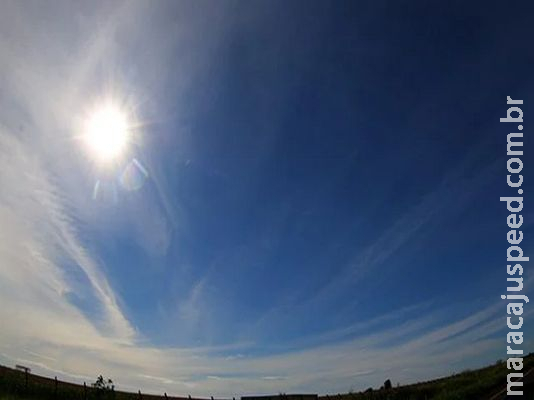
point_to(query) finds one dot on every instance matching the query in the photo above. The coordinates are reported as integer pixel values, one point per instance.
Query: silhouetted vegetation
(104, 389)
(480, 384)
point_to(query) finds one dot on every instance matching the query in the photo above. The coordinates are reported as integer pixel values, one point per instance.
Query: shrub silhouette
(103, 387)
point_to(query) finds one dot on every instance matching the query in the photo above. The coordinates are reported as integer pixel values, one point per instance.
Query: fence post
(140, 396)
(165, 395)
(84, 391)
(26, 378)
(55, 387)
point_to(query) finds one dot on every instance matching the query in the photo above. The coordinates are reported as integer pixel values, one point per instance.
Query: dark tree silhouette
(387, 385)
(102, 386)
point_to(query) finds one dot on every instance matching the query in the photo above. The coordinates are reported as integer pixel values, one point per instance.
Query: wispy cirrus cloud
(48, 265)
(38, 247)
(39, 240)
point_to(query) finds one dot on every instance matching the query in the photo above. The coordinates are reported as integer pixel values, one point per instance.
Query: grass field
(481, 384)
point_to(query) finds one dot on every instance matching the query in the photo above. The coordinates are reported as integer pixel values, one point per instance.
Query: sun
(107, 132)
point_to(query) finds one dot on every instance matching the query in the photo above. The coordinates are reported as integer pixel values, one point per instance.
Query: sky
(309, 202)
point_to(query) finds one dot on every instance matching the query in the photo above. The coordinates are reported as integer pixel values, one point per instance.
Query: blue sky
(320, 210)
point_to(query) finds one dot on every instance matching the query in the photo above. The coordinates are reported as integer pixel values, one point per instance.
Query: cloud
(46, 71)
(38, 241)
(46, 331)
(449, 196)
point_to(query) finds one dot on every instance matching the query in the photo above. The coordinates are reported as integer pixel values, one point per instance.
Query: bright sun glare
(107, 132)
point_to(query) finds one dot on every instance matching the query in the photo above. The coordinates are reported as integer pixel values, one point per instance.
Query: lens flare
(134, 175)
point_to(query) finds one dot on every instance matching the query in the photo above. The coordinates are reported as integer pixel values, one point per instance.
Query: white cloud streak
(43, 254)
